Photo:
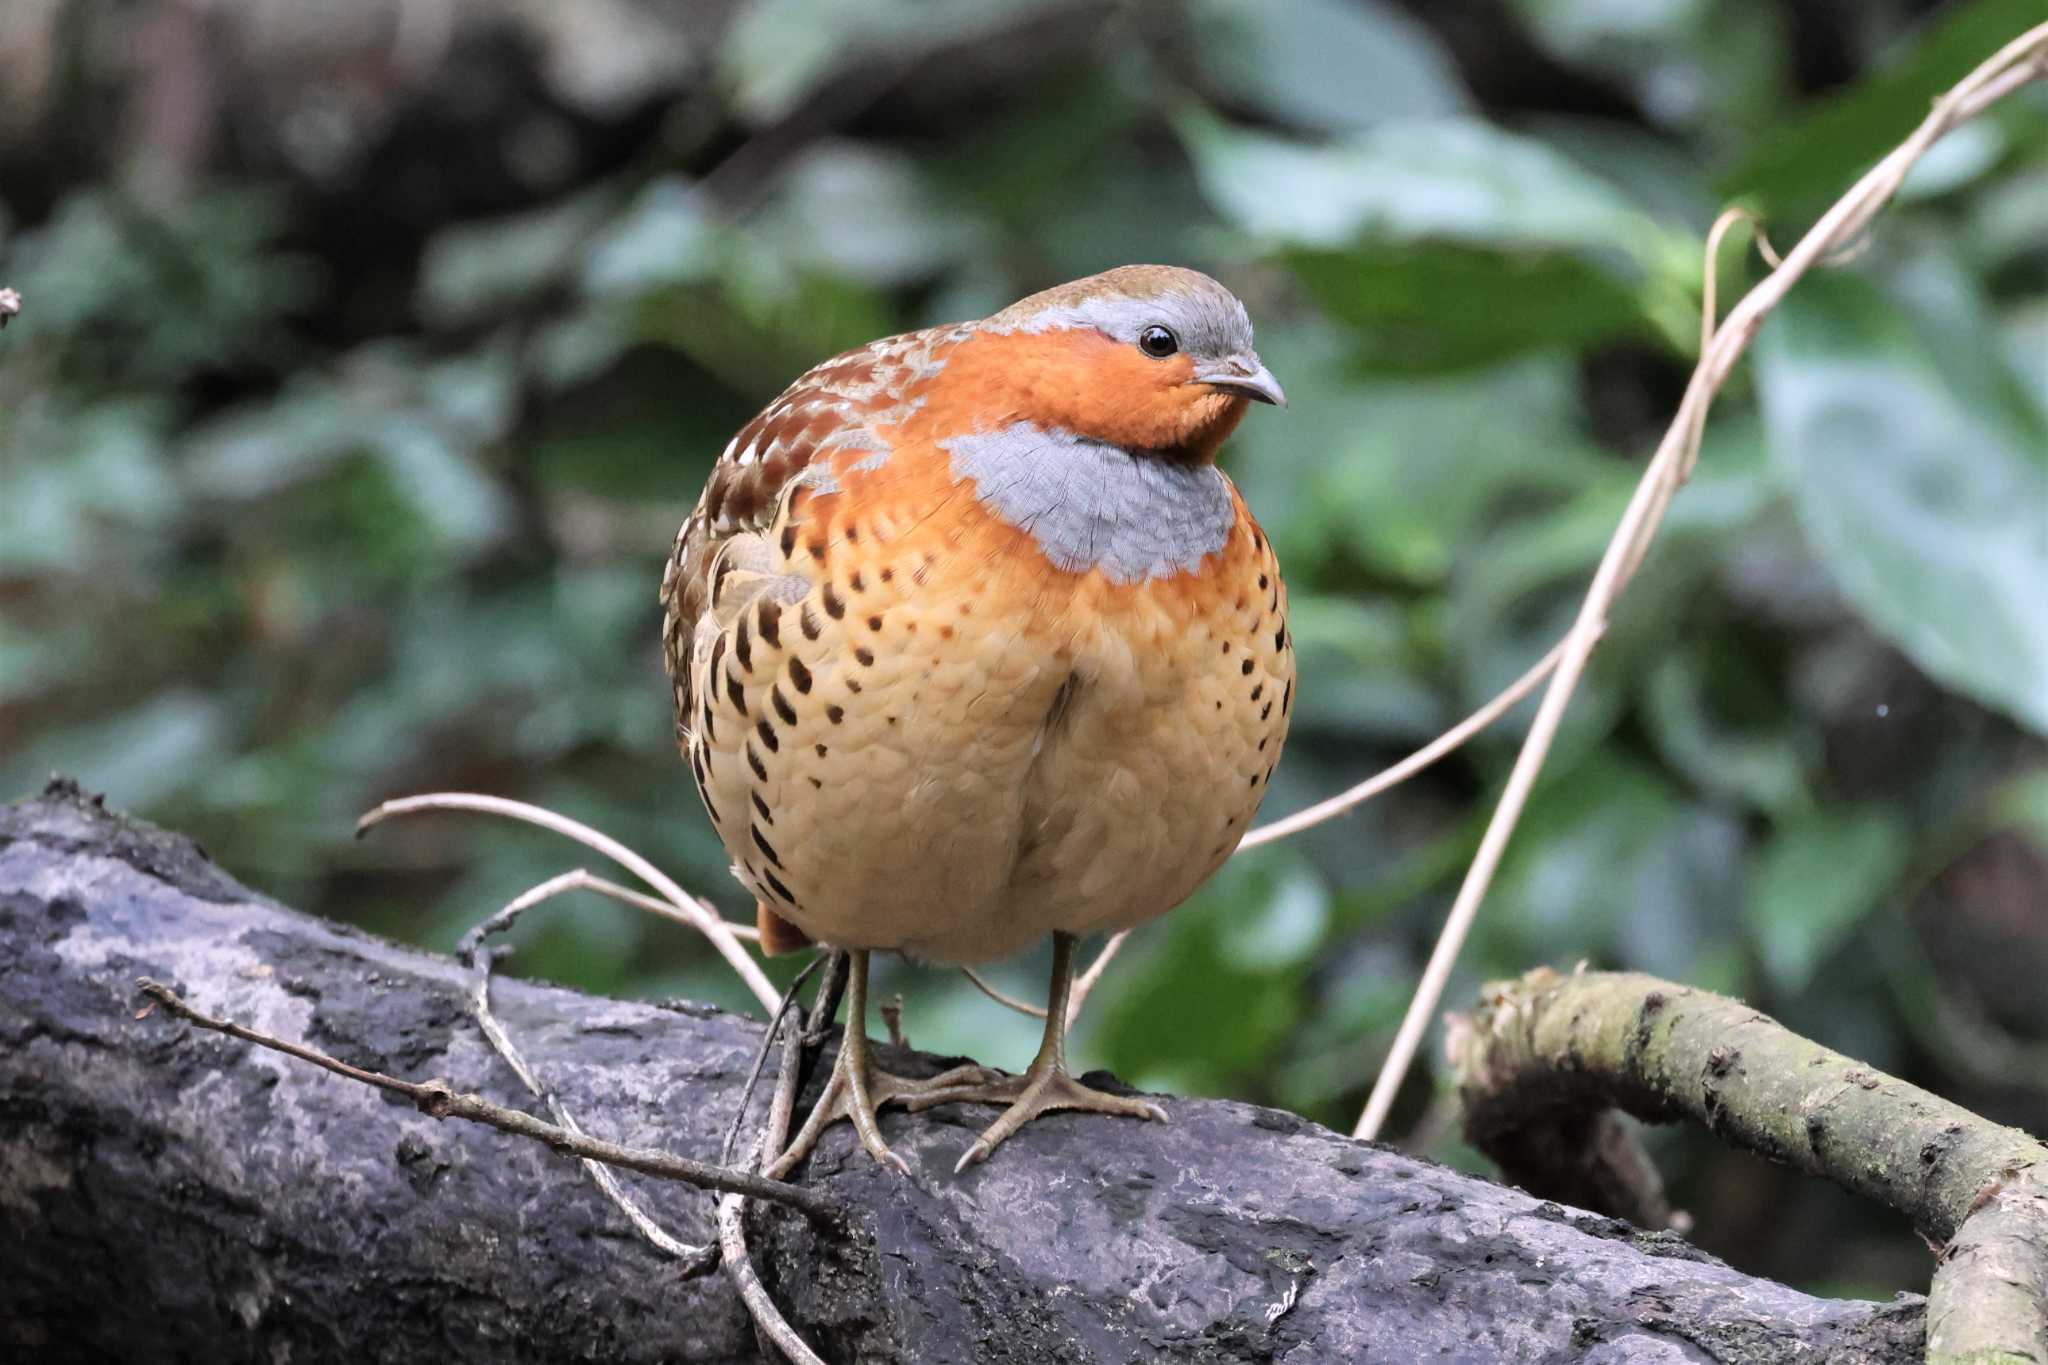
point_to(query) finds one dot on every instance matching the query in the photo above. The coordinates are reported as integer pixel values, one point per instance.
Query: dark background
(372, 354)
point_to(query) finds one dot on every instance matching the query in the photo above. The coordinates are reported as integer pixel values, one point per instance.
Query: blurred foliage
(371, 355)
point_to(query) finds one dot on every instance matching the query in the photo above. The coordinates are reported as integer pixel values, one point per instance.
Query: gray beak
(1245, 376)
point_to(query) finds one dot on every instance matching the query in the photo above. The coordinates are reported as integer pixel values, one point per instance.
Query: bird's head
(1148, 357)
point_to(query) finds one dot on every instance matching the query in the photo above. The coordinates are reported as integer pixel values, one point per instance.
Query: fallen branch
(1546, 1055)
(435, 1099)
(189, 1196)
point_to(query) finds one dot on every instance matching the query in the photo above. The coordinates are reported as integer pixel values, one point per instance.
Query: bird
(971, 642)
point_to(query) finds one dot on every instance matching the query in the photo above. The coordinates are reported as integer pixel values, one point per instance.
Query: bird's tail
(778, 935)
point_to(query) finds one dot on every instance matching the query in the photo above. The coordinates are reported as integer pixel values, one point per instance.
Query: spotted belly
(1159, 767)
(923, 736)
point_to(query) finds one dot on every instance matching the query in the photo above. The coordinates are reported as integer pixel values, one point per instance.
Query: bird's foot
(1041, 1090)
(857, 1090)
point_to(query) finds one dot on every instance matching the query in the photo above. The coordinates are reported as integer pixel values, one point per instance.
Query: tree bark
(1547, 1057)
(168, 1194)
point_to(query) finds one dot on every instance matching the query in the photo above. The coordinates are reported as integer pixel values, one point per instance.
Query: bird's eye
(1157, 342)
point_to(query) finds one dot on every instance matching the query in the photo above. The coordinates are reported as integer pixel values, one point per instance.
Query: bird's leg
(1045, 1084)
(856, 1089)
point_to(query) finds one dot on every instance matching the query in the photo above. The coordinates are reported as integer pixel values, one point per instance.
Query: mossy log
(1545, 1057)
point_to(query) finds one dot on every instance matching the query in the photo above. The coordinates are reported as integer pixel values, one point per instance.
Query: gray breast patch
(1095, 506)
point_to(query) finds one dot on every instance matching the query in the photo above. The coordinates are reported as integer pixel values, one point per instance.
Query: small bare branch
(775, 1026)
(698, 1260)
(768, 1319)
(1544, 1061)
(437, 1099)
(768, 1153)
(1429, 753)
(699, 916)
(1084, 984)
(1328, 809)
(2020, 61)
(989, 989)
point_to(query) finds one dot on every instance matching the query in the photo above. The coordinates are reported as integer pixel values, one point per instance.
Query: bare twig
(1084, 984)
(697, 1260)
(2023, 60)
(698, 915)
(437, 1100)
(1710, 282)
(1429, 753)
(1321, 811)
(775, 1025)
(768, 1319)
(1001, 997)
(732, 1227)
(581, 879)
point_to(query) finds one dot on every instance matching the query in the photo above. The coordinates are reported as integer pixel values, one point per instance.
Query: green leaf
(1814, 158)
(1688, 883)
(2022, 804)
(261, 448)
(1335, 64)
(81, 482)
(445, 488)
(1152, 1025)
(474, 270)
(1757, 758)
(1571, 878)
(1703, 68)
(665, 237)
(778, 52)
(1919, 470)
(865, 212)
(1436, 306)
(1448, 180)
(1282, 926)
(140, 757)
(1818, 877)
(1408, 471)
(1444, 243)
(1355, 651)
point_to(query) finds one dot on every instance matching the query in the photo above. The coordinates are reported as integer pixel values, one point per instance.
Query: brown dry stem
(479, 959)
(732, 1210)
(437, 1099)
(2023, 60)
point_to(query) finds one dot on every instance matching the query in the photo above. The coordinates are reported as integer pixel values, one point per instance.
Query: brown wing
(835, 406)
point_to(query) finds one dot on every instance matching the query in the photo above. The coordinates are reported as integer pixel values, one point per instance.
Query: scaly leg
(857, 1089)
(1045, 1085)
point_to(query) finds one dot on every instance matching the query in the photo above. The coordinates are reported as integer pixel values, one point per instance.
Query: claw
(860, 1101)
(1043, 1091)
(857, 1090)
(1045, 1086)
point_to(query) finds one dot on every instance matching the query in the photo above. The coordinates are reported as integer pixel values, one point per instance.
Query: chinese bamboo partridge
(972, 642)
